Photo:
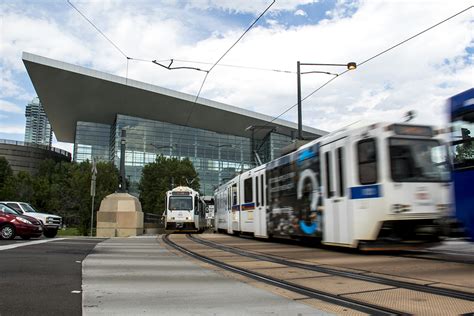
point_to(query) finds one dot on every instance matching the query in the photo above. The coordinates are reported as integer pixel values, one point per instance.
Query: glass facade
(216, 157)
(92, 140)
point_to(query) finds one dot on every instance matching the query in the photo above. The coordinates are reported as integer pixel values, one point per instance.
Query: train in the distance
(377, 186)
(185, 210)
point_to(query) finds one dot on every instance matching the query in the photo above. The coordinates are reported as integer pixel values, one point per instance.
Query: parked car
(51, 223)
(13, 224)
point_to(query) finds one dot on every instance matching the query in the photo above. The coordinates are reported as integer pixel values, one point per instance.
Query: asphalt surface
(43, 278)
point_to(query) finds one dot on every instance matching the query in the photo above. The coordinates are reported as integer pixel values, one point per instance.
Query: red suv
(13, 224)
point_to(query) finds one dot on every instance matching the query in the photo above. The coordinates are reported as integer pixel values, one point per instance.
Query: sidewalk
(131, 276)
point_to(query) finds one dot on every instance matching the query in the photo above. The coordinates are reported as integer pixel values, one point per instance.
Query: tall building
(37, 129)
(90, 109)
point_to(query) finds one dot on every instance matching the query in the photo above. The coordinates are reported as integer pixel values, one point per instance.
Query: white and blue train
(185, 210)
(374, 187)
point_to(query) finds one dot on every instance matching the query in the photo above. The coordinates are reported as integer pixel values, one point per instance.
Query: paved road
(39, 276)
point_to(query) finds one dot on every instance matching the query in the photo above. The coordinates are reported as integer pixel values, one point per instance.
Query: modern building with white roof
(90, 108)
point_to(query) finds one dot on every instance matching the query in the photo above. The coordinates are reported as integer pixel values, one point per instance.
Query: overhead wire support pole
(373, 57)
(298, 85)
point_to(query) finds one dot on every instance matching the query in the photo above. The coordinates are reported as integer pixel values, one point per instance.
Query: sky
(418, 75)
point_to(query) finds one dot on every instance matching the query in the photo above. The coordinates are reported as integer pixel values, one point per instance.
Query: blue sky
(427, 70)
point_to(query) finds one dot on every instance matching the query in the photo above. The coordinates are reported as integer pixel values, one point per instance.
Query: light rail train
(461, 108)
(185, 210)
(377, 186)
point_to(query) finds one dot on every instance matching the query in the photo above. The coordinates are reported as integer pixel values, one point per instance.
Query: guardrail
(151, 218)
(50, 148)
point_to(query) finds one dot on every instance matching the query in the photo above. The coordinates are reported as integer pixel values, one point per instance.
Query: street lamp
(219, 147)
(349, 66)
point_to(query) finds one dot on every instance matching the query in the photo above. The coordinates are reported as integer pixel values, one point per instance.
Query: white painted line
(29, 243)
(76, 292)
(78, 262)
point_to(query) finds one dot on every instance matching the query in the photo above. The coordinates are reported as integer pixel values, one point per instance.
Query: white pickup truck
(50, 223)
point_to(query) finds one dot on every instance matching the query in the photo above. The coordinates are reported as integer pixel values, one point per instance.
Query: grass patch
(70, 231)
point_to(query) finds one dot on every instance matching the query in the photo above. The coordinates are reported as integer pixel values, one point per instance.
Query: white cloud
(9, 107)
(12, 129)
(300, 13)
(255, 7)
(418, 75)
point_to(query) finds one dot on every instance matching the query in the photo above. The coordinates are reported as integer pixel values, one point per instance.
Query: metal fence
(151, 218)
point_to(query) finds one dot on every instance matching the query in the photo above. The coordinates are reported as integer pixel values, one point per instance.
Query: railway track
(347, 274)
(363, 307)
(445, 256)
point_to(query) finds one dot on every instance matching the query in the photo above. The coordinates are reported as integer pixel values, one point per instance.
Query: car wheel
(50, 233)
(7, 232)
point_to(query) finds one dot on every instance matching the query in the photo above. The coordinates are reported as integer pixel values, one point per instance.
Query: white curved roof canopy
(71, 93)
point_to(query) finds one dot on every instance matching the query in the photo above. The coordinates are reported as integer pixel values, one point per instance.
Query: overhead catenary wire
(237, 66)
(370, 59)
(218, 60)
(98, 30)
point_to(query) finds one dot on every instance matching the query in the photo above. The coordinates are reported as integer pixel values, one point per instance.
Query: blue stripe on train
(366, 192)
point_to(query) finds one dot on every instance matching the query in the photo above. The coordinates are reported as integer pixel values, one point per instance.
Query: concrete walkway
(132, 276)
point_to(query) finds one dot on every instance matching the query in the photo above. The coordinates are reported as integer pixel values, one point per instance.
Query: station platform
(133, 276)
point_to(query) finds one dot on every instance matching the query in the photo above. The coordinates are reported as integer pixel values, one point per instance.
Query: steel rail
(327, 297)
(347, 274)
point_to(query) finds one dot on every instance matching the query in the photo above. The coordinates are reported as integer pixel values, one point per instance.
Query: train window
(367, 155)
(234, 194)
(262, 187)
(257, 187)
(248, 188)
(340, 168)
(329, 192)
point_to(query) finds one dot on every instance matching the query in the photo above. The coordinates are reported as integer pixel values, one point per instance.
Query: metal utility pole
(298, 84)
(350, 66)
(123, 183)
(93, 181)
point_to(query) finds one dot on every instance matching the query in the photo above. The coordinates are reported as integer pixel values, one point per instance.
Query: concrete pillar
(120, 215)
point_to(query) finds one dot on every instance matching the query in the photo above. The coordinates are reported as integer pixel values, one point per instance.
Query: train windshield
(418, 160)
(182, 203)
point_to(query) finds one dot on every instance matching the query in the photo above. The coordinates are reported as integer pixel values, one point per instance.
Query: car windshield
(7, 210)
(182, 203)
(418, 160)
(28, 208)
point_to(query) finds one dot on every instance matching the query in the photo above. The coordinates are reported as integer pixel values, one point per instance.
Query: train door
(260, 218)
(235, 223)
(337, 215)
(229, 209)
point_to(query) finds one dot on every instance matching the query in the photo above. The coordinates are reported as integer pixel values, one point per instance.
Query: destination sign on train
(180, 193)
(424, 131)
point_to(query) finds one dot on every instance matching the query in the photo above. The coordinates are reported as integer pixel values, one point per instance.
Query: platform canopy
(71, 93)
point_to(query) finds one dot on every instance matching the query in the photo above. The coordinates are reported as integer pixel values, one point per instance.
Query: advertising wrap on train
(295, 188)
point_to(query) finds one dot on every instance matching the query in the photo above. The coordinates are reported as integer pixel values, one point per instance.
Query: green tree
(5, 174)
(19, 187)
(158, 177)
(106, 183)
(62, 188)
